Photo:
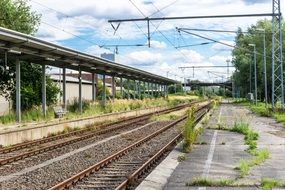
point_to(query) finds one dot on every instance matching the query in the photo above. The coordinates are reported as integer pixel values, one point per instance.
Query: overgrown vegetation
(250, 139)
(268, 184)
(181, 157)
(250, 136)
(92, 109)
(188, 131)
(169, 116)
(200, 181)
(18, 15)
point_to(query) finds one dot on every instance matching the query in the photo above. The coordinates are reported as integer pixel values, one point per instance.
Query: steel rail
(61, 136)
(131, 179)
(86, 136)
(85, 173)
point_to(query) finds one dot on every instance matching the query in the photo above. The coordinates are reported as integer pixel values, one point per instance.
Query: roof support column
(121, 87)
(156, 92)
(136, 89)
(44, 93)
(64, 87)
(93, 88)
(80, 91)
(148, 93)
(151, 90)
(144, 89)
(104, 91)
(139, 85)
(18, 91)
(128, 88)
(113, 88)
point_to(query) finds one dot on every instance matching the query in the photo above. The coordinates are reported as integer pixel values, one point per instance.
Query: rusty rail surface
(131, 179)
(104, 130)
(61, 136)
(85, 173)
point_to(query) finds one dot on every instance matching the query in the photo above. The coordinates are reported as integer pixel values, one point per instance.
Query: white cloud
(88, 19)
(157, 44)
(97, 51)
(224, 45)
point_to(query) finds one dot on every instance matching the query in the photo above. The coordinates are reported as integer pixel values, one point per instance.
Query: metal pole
(18, 91)
(93, 87)
(250, 77)
(113, 88)
(128, 88)
(64, 87)
(80, 91)
(104, 91)
(264, 69)
(152, 90)
(148, 92)
(121, 87)
(44, 99)
(255, 75)
(144, 89)
(136, 89)
(139, 89)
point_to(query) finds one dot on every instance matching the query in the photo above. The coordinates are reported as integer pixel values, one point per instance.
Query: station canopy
(30, 49)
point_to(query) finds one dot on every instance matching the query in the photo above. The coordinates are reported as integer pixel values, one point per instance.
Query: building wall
(4, 106)
(72, 91)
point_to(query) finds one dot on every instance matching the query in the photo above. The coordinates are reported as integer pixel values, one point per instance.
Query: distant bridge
(227, 84)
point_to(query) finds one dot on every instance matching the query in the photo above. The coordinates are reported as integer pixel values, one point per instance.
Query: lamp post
(264, 65)
(255, 74)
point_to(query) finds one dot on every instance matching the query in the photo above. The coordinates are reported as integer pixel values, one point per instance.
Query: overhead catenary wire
(185, 56)
(217, 41)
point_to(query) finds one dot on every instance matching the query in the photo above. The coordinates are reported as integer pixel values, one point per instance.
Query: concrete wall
(4, 106)
(28, 133)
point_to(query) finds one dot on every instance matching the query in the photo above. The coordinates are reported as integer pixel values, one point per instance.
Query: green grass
(243, 168)
(245, 164)
(181, 158)
(250, 136)
(268, 184)
(250, 139)
(189, 132)
(169, 116)
(210, 182)
(93, 109)
(262, 110)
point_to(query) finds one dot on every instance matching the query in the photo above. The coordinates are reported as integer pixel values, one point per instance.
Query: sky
(83, 25)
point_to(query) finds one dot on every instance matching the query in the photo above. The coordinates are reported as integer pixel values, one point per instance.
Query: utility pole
(264, 66)
(255, 72)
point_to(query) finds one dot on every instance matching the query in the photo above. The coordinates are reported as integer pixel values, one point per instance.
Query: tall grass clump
(200, 181)
(189, 133)
(268, 184)
(250, 136)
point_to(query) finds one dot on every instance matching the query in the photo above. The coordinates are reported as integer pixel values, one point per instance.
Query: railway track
(28, 149)
(122, 169)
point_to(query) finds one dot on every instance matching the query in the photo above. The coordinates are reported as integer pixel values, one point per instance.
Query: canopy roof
(31, 49)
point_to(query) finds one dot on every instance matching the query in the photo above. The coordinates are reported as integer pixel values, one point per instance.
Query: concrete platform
(217, 152)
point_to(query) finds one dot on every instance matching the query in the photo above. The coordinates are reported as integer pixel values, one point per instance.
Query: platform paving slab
(217, 152)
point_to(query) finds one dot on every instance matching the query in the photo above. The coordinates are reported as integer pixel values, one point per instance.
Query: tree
(17, 15)
(243, 58)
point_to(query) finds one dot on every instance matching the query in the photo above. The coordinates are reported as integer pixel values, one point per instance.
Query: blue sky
(82, 25)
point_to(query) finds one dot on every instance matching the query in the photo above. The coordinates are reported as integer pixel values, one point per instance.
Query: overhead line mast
(277, 67)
